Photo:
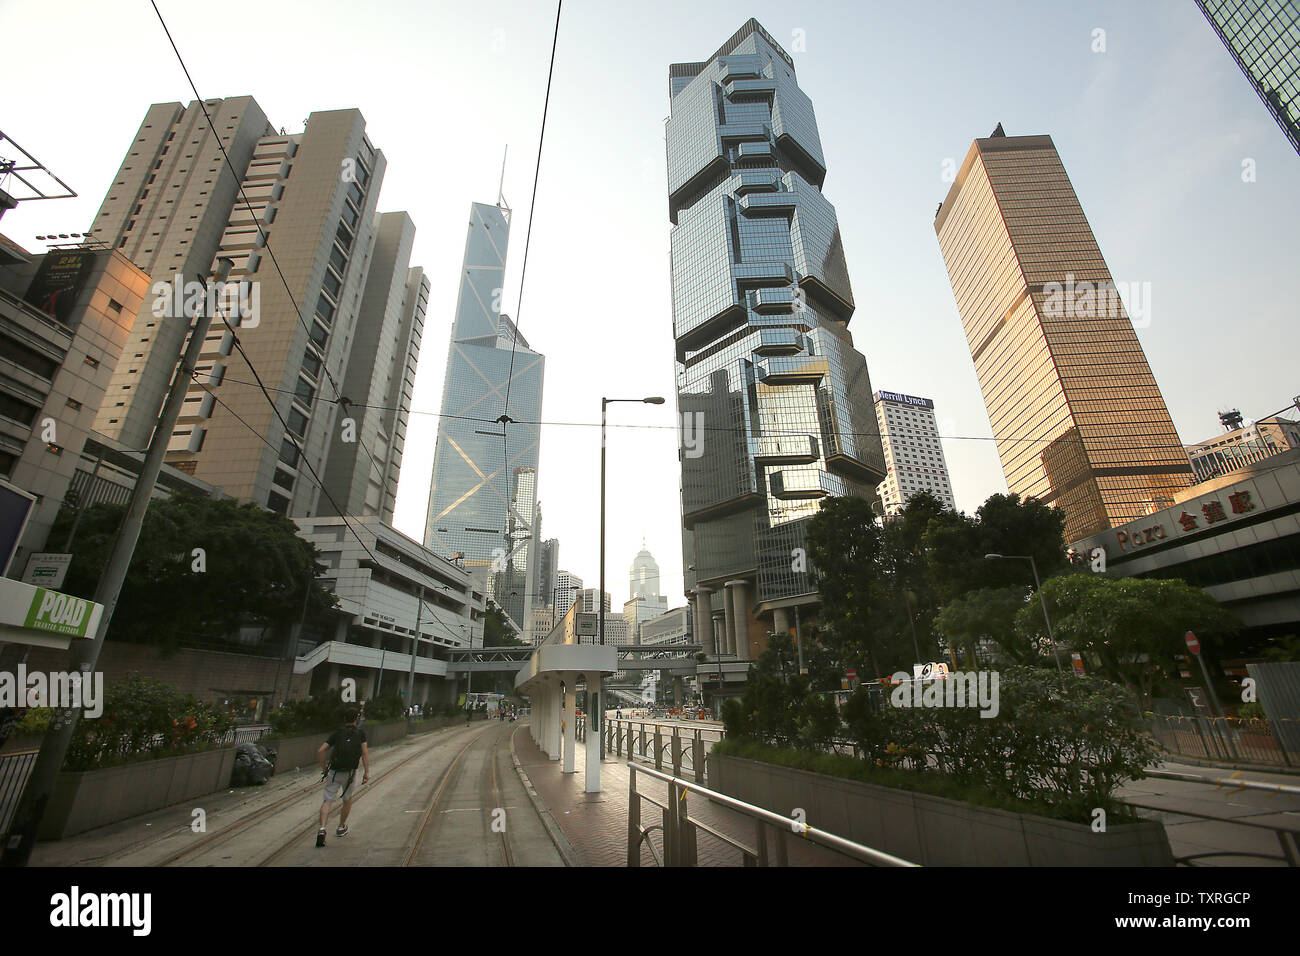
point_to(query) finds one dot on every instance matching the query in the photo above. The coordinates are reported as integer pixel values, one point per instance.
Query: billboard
(59, 281)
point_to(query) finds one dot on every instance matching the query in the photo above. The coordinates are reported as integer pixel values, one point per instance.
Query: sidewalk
(596, 824)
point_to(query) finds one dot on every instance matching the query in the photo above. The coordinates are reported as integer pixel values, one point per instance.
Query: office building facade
(775, 402)
(913, 451)
(1242, 445)
(1078, 418)
(483, 499)
(64, 320)
(1263, 37)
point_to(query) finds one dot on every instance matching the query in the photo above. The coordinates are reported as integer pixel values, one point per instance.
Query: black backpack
(347, 749)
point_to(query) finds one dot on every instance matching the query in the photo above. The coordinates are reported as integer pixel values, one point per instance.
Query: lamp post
(595, 719)
(1039, 587)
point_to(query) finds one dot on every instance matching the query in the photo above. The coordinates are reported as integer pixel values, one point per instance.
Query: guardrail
(771, 830)
(684, 747)
(1235, 739)
(1287, 836)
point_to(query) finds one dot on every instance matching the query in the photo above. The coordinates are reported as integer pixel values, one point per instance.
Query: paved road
(430, 802)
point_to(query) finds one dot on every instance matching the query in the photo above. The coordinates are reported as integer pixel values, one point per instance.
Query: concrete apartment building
(328, 325)
(913, 452)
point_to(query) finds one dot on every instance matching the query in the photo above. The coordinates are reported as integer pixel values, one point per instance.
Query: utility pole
(84, 655)
(415, 647)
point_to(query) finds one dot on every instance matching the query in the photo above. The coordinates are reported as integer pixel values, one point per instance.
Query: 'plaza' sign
(1211, 512)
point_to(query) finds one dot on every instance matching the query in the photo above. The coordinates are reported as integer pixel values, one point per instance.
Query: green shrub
(145, 717)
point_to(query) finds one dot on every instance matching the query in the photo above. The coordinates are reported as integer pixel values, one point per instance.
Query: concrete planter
(935, 831)
(300, 751)
(93, 798)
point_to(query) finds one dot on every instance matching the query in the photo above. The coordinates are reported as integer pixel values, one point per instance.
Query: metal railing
(1233, 739)
(684, 748)
(14, 769)
(771, 830)
(1287, 836)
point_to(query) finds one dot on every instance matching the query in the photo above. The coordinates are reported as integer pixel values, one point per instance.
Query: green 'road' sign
(60, 613)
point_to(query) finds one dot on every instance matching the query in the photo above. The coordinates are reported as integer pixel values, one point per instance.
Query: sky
(1152, 118)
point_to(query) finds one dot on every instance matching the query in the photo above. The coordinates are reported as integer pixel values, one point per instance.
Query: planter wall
(935, 831)
(300, 751)
(84, 800)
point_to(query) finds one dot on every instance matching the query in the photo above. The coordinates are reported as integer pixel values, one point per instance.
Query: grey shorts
(341, 784)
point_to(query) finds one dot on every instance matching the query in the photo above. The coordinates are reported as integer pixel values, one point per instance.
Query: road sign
(1193, 644)
(851, 674)
(47, 569)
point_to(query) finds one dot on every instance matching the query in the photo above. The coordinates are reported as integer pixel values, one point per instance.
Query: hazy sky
(1153, 132)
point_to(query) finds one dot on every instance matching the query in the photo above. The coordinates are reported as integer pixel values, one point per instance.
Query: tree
(1134, 626)
(845, 553)
(202, 568)
(987, 614)
(497, 632)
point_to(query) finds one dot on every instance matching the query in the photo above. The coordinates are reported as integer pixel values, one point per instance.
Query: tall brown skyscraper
(1079, 420)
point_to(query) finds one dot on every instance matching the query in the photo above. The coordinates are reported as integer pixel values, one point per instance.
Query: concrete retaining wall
(85, 800)
(935, 831)
(300, 751)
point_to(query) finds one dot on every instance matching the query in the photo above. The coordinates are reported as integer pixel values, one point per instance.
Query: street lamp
(1033, 564)
(595, 721)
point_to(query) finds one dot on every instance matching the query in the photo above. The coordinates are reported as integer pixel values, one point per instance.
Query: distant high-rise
(1263, 36)
(913, 453)
(643, 578)
(338, 305)
(775, 400)
(482, 503)
(567, 588)
(1078, 418)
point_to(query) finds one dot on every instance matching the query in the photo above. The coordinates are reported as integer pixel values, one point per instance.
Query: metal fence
(1226, 739)
(681, 830)
(14, 769)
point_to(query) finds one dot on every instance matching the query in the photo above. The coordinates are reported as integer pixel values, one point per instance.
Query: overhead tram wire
(1134, 443)
(339, 399)
(504, 420)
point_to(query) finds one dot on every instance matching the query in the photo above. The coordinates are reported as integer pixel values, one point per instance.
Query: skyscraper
(643, 577)
(1263, 36)
(775, 401)
(1078, 418)
(175, 206)
(482, 503)
(913, 453)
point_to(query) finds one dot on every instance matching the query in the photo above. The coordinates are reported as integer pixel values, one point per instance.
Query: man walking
(347, 748)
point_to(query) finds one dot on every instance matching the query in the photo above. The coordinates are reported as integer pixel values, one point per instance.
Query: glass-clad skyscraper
(775, 402)
(483, 500)
(1263, 36)
(1078, 417)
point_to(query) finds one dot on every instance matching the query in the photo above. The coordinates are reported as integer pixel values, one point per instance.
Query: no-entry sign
(1193, 644)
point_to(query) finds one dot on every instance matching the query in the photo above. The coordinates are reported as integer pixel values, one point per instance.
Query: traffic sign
(1193, 644)
(851, 674)
(1077, 660)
